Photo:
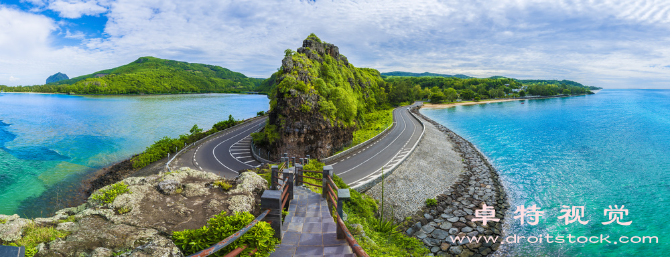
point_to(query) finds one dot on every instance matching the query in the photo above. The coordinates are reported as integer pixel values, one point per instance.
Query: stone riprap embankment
(438, 164)
(139, 222)
(437, 226)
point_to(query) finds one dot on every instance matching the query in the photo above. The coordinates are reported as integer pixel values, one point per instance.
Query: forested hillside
(448, 89)
(150, 75)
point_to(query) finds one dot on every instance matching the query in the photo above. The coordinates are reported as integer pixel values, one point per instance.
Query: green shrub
(3, 221)
(219, 227)
(261, 113)
(68, 219)
(108, 195)
(431, 202)
(223, 185)
(123, 210)
(34, 235)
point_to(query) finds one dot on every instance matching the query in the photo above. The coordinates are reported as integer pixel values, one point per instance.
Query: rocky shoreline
(140, 221)
(452, 215)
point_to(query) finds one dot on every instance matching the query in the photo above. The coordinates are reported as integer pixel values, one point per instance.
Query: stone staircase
(309, 229)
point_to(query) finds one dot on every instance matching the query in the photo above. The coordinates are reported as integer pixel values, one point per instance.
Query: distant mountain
(57, 77)
(150, 75)
(425, 74)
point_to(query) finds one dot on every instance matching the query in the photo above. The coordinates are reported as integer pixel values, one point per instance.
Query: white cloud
(76, 35)
(12, 78)
(74, 9)
(603, 43)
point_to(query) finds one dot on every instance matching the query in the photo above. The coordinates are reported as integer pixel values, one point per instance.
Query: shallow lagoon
(612, 148)
(49, 143)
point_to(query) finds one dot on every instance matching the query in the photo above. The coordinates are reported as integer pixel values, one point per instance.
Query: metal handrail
(358, 250)
(229, 240)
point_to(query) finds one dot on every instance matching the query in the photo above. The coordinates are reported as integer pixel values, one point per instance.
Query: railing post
(307, 161)
(289, 173)
(302, 161)
(293, 160)
(327, 173)
(274, 177)
(342, 195)
(286, 160)
(271, 199)
(298, 175)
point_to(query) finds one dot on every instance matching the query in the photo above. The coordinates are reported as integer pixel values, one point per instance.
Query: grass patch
(431, 202)
(123, 210)
(68, 219)
(3, 221)
(371, 125)
(220, 227)
(34, 235)
(108, 195)
(223, 185)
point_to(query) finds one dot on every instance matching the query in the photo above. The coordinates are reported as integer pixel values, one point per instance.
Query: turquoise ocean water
(611, 148)
(49, 143)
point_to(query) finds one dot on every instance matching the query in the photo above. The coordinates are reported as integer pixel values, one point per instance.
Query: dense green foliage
(431, 202)
(448, 89)
(150, 75)
(371, 125)
(108, 195)
(557, 82)
(160, 149)
(220, 227)
(345, 92)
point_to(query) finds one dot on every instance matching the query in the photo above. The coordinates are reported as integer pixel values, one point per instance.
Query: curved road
(230, 152)
(224, 154)
(367, 163)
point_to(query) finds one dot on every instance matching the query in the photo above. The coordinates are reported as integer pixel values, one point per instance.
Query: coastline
(452, 171)
(449, 105)
(141, 94)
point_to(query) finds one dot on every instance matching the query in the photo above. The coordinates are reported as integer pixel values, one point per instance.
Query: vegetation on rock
(221, 226)
(108, 195)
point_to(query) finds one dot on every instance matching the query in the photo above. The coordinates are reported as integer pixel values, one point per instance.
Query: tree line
(448, 89)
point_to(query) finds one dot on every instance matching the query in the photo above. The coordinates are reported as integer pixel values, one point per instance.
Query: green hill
(150, 75)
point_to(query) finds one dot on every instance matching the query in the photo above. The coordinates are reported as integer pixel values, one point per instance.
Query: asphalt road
(387, 151)
(225, 154)
(229, 153)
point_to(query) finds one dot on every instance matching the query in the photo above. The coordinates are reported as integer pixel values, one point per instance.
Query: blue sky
(607, 43)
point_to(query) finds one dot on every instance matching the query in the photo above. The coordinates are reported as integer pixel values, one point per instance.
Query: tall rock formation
(57, 77)
(317, 96)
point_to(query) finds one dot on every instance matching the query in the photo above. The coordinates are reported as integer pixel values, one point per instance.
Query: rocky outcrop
(57, 77)
(316, 96)
(139, 223)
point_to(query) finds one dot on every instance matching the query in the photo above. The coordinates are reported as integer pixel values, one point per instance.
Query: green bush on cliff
(108, 195)
(219, 227)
